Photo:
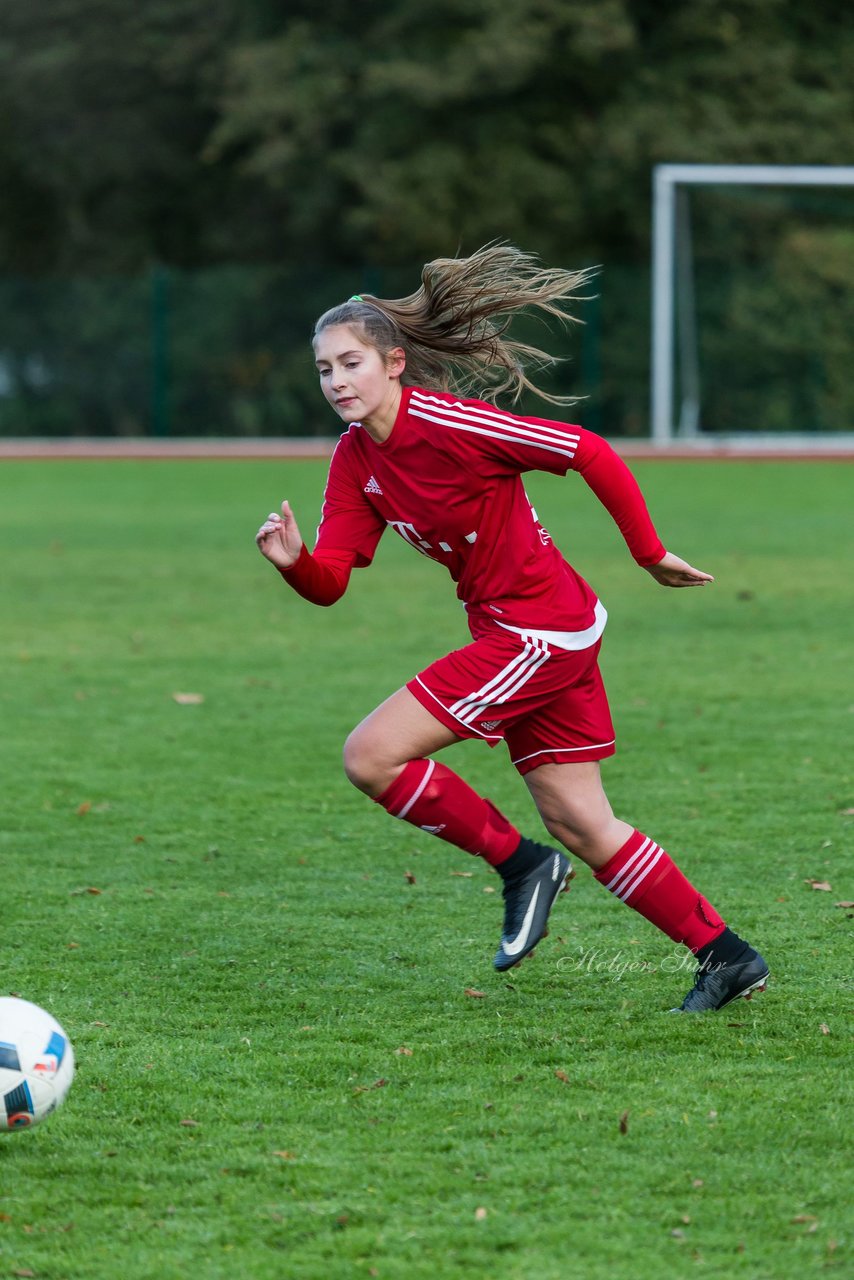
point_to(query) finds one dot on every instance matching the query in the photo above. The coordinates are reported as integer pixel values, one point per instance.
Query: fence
(225, 351)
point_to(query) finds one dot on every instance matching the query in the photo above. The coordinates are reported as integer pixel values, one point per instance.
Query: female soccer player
(444, 472)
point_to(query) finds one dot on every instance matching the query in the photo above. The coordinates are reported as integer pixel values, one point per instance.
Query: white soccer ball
(36, 1063)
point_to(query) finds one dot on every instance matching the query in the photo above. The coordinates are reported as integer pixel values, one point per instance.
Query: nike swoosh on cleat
(513, 948)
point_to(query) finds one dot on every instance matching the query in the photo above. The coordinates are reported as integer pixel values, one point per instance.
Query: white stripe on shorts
(502, 686)
(553, 751)
(522, 660)
(487, 737)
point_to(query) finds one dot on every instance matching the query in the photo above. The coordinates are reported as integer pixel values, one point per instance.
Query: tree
(452, 121)
(103, 113)
(194, 131)
(343, 142)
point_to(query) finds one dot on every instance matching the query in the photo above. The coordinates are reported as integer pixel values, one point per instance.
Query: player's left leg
(574, 808)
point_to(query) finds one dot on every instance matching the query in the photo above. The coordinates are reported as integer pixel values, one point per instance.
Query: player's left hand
(673, 572)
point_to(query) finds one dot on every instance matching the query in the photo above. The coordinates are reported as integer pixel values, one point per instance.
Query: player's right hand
(279, 538)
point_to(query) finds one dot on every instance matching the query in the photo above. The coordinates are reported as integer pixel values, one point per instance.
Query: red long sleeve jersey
(448, 481)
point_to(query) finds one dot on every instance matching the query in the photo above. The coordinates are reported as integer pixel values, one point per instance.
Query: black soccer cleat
(716, 985)
(528, 899)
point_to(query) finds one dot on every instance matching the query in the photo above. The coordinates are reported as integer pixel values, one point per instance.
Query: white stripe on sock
(626, 868)
(428, 773)
(642, 874)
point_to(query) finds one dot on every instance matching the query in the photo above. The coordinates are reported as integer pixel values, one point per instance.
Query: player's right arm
(321, 578)
(346, 539)
(279, 538)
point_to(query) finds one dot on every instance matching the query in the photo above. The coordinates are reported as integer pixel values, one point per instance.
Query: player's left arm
(515, 443)
(619, 492)
(673, 572)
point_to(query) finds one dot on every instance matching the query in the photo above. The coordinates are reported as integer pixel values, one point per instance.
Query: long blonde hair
(454, 328)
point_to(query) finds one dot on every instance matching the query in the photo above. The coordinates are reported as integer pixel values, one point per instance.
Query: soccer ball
(36, 1063)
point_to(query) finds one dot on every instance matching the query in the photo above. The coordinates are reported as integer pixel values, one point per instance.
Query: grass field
(283, 1069)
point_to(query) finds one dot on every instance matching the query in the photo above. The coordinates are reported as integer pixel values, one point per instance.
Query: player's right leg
(385, 756)
(398, 731)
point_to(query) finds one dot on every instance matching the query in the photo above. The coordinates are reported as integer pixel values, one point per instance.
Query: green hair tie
(357, 297)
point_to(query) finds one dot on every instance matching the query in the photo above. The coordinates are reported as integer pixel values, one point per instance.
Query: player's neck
(380, 423)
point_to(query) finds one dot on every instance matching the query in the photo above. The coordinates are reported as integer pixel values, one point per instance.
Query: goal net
(753, 303)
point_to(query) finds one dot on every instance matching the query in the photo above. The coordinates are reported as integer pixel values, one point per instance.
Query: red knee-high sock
(431, 796)
(643, 876)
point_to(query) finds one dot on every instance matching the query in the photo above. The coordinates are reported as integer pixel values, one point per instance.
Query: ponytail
(454, 327)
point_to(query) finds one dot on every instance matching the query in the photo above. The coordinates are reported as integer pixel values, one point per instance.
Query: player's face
(360, 385)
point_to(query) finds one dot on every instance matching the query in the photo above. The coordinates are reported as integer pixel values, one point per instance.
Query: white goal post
(667, 244)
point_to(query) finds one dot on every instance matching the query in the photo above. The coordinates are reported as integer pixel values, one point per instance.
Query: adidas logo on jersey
(373, 487)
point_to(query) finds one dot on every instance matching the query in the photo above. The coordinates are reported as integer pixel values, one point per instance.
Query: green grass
(240, 988)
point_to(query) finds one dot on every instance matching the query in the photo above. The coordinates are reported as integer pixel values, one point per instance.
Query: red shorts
(549, 704)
